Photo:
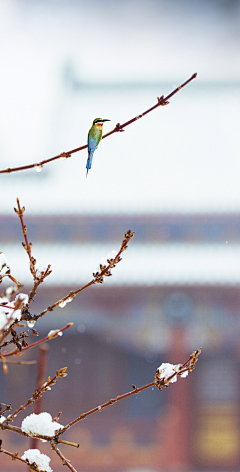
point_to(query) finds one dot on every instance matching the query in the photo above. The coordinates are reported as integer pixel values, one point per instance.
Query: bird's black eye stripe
(98, 121)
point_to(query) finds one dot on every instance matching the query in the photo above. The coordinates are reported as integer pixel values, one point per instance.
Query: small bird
(94, 138)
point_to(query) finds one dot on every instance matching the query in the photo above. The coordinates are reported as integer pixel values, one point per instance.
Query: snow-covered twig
(188, 366)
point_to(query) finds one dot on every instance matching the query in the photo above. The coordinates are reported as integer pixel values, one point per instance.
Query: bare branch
(189, 365)
(38, 280)
(37, 394)
(43, 340)
(7, 408)
(4, 334)
(68, 443)
(105, 271)
(4, 267)
(18, 362)
(62, 457)
(26, 246)
(160, 102)
(15, 456)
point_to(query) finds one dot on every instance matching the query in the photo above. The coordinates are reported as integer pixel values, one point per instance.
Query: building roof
(142, 264)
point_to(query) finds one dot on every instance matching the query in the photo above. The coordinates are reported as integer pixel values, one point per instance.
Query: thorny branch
(160, 102)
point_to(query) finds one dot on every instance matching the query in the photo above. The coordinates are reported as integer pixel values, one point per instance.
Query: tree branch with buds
(162, 101)
(162, 378)
(98, 277)
(53, 334)
(18, 310)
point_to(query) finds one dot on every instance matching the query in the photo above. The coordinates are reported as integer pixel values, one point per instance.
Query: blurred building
(124, 330)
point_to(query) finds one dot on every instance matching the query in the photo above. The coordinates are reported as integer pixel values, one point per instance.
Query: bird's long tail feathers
(89, 162)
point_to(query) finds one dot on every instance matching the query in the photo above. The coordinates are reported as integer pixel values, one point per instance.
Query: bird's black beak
(106, 120)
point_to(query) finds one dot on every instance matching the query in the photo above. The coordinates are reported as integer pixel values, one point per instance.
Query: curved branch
(160, 102)
(189, 365)
(62, 457)
(43, 340)
(98, 277)
(15, 456)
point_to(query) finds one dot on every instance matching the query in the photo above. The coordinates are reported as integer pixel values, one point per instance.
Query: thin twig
(18, 362)
(8, 408)
(7, 306)
(108, 403)
(4, 334)
(189, 365)
(161, 102)
(38, 280)
(16, 429)
(62, 457)
(14, 456)
(105, 271)
(37, 277)
(37, 394)
(10, 276)
(26, 246)
(68, 443)
(47, 338)
(16, 339)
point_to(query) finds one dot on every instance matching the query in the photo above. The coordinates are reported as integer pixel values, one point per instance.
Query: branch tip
(118, 128)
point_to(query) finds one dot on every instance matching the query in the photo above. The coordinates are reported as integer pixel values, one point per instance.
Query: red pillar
(178, 414)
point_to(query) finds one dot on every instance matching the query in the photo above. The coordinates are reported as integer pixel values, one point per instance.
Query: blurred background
(172, 177)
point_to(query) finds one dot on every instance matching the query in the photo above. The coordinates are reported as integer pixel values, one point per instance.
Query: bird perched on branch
(94, 138)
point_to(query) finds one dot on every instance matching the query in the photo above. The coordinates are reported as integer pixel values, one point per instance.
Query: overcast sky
(184, 157)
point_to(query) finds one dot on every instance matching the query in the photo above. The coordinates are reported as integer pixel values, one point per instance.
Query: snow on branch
(43, 427)
(15, 311)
